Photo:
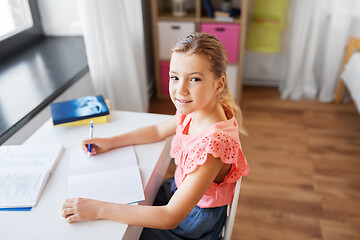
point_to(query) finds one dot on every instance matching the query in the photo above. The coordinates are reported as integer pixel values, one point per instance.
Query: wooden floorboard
(304, 158)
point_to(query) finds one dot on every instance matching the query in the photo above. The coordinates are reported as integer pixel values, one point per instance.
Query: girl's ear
(220, 85)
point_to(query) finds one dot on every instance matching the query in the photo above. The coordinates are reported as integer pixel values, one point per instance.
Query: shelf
(167, 16)
(237, 20)
(191, 16)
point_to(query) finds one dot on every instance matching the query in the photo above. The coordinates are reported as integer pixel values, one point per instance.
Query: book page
(29, 157)
(24, 171)
(113, 176)
(21, 188)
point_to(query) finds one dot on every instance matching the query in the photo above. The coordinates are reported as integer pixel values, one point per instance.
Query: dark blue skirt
(201, 223)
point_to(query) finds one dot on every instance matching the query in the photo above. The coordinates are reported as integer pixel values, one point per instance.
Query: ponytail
(227, 99)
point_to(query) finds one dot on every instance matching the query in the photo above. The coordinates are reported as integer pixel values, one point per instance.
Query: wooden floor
(304, 158)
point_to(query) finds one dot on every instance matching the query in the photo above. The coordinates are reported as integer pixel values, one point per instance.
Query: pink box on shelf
(164, 76)
(228, 34)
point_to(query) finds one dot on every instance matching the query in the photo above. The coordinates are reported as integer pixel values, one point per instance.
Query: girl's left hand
(80, 209)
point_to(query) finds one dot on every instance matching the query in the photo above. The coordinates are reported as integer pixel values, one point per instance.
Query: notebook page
(113, 176)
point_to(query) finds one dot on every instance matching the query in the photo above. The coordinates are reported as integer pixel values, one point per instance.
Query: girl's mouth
(182, 101)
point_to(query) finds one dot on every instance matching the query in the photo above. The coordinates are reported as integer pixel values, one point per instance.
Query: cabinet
(228, 34)
(167, 29)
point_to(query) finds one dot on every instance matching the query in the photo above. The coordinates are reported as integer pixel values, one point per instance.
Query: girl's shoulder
(193, 152)
(220, 139)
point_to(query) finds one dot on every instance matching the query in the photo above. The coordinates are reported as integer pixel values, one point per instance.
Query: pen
(90, 137)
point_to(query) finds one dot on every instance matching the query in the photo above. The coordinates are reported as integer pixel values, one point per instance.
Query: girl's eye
(195, 79)
(174, 78)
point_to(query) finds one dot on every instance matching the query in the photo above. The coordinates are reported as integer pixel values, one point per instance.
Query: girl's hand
(81, 209)
(99, 145)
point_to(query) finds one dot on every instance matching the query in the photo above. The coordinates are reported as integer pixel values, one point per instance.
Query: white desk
(45, 221)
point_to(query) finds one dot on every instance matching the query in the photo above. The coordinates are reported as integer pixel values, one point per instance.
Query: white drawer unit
(169, 32)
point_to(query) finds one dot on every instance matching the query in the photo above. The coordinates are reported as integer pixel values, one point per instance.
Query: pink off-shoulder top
(222, 141)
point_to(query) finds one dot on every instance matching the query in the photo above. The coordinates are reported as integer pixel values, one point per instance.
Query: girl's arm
(143, 135)
(160, 217)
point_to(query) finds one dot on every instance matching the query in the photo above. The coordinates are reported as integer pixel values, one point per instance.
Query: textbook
(24, 171)
(80, 111)
(112, 176)
(96, 120)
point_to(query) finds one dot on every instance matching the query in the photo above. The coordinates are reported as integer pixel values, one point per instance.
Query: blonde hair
(210, 47)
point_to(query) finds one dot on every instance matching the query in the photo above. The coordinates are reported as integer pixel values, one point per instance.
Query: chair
(353, 45)
(231, 213)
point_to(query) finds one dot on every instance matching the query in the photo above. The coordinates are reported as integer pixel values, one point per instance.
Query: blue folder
(16, 209)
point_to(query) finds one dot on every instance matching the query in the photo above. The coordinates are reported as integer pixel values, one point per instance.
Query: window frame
(18, 41)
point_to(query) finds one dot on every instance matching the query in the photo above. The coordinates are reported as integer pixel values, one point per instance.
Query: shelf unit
(161, 11)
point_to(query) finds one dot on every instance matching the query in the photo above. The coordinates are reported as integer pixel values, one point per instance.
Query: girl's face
(193, 86)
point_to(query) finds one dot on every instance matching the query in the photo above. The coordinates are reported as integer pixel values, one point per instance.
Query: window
(15, 16)
(19, 25)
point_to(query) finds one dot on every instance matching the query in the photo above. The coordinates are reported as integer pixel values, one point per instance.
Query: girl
(206, 149)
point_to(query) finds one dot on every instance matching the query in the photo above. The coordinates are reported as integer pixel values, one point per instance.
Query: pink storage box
(228, 34)
(164, 76)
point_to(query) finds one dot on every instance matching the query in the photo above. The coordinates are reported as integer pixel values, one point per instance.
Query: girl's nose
(182, 87)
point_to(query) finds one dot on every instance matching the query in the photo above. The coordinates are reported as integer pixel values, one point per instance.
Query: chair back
(231, 213)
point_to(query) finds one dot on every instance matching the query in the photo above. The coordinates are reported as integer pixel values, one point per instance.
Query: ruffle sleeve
(221, 146)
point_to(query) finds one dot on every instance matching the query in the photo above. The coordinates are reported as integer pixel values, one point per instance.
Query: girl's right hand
(99, 145)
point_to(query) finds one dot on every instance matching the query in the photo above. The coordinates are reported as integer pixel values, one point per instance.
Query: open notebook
(113, 176)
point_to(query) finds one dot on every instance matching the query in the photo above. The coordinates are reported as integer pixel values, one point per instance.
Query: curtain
(114, 38)
(319, 33)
